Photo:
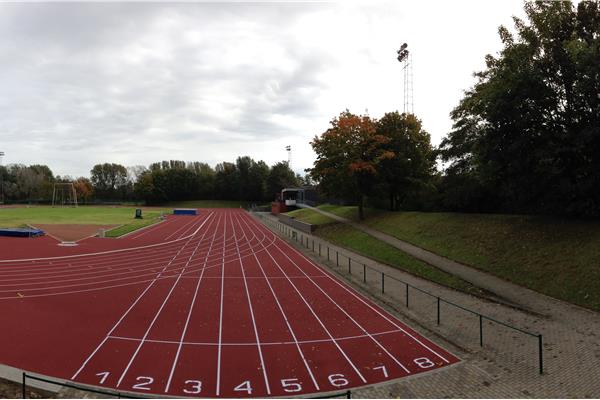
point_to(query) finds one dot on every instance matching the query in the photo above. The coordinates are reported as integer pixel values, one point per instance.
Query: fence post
(319, 249)
(438, 310)
(327, 253)
(540, 349)
(313, 245)
(24, 387)
(349, 266)
(337, 258)
(407, 295)
(480, 330)
(365, 273)
(382, 282)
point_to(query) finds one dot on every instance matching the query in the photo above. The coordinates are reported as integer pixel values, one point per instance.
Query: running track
(208, 306)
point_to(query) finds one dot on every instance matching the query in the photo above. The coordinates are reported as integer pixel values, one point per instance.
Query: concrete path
(512, 293)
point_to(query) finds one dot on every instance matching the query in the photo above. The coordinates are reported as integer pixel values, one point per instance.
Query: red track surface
(207, 306)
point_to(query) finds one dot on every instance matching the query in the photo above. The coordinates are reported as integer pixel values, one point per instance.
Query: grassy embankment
(555, 256)
(358, 241)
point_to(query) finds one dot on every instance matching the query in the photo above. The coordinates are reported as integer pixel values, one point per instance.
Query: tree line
(525, 137)
(161, 182)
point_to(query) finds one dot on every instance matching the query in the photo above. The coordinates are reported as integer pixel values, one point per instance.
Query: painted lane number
(244, 387)
(195, 387)
(338, 380)
(104, 375)
(424, 362)
(144, 382)
(291, 385)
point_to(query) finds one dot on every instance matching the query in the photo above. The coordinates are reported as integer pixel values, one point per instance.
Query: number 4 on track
(244, 387)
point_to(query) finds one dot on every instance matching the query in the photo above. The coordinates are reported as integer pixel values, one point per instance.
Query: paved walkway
(506, 366)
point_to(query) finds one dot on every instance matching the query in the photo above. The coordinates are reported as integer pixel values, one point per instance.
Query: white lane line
(188, 271)
(107, 251)
(287, 322)
(348, 315)
(352, 292)
(262, 362)
(354, 367)
(167, 297)
(127, 312)
(189, 316)
(218, 390)
(234, 344)
(181, 228)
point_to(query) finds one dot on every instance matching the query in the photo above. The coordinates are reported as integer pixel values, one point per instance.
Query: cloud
(133, 83)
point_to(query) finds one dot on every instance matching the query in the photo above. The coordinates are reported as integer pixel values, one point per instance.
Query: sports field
(213, 305)
(121, 219)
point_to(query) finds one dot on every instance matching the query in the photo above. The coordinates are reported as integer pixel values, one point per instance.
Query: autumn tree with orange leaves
(348, 156)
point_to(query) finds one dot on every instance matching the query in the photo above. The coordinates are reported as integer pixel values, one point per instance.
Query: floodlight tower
(405, 58)
(1, 180)
(289, 151)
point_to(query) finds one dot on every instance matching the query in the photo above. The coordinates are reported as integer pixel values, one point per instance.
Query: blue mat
(21, 232)
(185, 211)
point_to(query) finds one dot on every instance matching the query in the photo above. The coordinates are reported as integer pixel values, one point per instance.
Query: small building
(289, 198)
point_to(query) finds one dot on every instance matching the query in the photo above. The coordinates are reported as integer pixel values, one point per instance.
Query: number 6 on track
(338, 380)
(291, 385)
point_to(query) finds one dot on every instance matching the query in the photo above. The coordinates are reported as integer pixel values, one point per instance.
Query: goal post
(64, 194)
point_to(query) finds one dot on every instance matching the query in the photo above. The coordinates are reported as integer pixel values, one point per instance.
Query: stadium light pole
(404, 58)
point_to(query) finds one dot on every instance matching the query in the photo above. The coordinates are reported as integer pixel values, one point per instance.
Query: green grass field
(554, 256)
(123, 216)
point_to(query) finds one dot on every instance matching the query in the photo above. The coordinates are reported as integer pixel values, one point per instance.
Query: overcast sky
(133, 83)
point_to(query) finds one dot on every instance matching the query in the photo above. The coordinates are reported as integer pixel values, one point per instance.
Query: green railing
(332, 254)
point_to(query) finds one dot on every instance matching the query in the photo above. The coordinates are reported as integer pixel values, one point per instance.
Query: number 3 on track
(195, 387)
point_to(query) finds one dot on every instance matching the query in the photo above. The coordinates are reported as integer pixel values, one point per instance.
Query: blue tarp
(20, 232)
(185, 211)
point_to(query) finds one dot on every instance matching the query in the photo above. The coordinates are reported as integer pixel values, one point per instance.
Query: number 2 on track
(144, 382)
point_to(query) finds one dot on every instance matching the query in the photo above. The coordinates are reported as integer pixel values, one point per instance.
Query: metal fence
(457, 320)
(120, 395)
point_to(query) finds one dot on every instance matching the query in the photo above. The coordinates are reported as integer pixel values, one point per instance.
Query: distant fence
(120, 395)
(465, 320)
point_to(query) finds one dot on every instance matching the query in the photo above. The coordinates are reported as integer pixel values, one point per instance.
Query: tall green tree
(413, 163)
(280, 176)
(109, 181)
(349, 154)
(528, 133)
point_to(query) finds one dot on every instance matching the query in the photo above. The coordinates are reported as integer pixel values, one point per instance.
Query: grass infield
(123, 216)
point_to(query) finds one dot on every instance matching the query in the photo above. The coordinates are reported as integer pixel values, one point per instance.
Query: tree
(413, 163)
(83, 188)
(528, 132)
(348, 157)
(280, 176)
(109, 180)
